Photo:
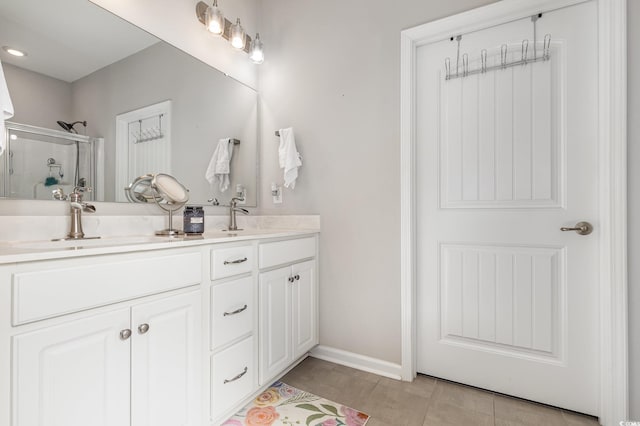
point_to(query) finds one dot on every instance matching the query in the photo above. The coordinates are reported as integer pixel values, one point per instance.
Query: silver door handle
(237, 311)
(237, 377)
(143, 328)
(125, 334)
(231, 262)
(582, 228)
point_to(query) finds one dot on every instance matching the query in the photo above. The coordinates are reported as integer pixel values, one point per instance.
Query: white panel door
(73, 374)
(304, 308)
(166, 362)
(505, 158)
(275, 322)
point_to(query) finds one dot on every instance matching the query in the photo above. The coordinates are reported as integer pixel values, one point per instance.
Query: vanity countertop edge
(19, 251)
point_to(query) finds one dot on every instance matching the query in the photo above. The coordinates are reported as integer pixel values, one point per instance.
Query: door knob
(125, 334)
(582, 228)
(143, 328)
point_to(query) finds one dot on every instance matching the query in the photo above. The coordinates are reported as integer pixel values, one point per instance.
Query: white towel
(6, 108)
(219, 166)
(289, 157)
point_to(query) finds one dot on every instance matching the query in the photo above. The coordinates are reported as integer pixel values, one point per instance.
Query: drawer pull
(143, 328)
(291, 279)
(239, 376)
(237, 311)
(232, 262)
(125, 334)
(297, 277)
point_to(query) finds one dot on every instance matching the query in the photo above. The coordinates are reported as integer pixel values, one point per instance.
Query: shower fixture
(69, 127)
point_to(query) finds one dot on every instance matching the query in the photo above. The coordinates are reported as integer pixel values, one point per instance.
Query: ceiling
(66, 39)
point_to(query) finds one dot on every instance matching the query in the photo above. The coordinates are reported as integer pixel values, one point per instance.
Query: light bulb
(237, 35)
(14, 52)
(214, 19)
(256, 51)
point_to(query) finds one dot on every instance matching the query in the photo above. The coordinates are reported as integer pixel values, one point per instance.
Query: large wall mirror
(148, 108)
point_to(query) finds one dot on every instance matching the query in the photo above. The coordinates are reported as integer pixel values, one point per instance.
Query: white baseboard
(359, 362)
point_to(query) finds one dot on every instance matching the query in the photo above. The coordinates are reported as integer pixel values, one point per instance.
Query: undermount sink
(87, 242)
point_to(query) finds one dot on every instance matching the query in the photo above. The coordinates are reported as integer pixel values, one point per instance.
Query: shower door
(506, 300)
(39, 160)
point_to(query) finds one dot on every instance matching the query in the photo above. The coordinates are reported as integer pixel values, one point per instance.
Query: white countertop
(27, 251)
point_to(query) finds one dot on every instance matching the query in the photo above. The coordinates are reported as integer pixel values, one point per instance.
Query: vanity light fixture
(256, 51)
(215, 22)
(14, 52)
(214, 19)
(237, 35)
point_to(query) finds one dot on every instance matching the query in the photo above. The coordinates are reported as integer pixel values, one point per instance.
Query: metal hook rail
(148, 134)
(504, 63)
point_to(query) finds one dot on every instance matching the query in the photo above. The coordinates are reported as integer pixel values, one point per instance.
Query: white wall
(633, 79)
(333, 73)
(26, 89)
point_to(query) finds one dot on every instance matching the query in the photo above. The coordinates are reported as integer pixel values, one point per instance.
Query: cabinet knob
(125, 334)
(297, 277)
(291, 279)
(143, 328)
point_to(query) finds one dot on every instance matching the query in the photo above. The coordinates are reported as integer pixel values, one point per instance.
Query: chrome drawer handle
(227, 262)
(237, 311)
(125, 334)
(239, 376)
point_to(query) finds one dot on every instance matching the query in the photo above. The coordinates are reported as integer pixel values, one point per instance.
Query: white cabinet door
(73, 374)
(304, 308)
(166, 362)
(275, 322)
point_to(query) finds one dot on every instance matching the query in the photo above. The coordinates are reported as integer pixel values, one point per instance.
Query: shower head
(69, 127)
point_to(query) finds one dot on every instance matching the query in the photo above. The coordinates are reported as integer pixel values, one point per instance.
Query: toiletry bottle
(193, 220)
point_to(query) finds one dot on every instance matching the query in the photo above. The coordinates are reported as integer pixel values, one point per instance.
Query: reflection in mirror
(165, 190)
(149, 107)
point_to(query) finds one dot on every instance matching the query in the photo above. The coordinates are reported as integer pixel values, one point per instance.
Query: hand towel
(6, 108)
(289, 157)
(219, 166)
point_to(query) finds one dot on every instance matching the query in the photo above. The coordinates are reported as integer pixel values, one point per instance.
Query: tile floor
(424, 402)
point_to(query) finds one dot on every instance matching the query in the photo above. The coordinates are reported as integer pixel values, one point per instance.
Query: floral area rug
(284, 405)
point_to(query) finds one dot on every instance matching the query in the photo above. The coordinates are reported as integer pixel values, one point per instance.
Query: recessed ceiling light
(14, 52)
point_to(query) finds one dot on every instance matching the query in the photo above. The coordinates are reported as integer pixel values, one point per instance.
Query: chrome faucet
(77, 206)
(233, 208)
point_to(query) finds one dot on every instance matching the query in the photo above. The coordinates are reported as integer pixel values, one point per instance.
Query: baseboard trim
(357, 361)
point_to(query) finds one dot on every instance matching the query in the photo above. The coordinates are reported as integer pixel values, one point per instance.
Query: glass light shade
(237, 35)
(256, 50)
(214, 19)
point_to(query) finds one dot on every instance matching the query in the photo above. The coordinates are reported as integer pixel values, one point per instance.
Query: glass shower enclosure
(37, 161)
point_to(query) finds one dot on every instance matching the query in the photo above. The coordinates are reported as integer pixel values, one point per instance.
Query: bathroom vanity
(152, 331)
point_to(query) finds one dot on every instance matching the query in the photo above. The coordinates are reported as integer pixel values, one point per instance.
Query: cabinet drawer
(272, 254)
(232, 376)
(226, 262)
(232, 311)
(57, 288)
